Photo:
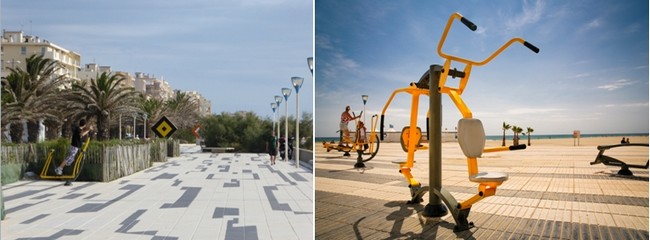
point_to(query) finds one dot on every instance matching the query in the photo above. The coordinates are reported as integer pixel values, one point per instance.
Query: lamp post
(144, 130)
(120, 125)
(134, 118)
(278, 100)
(365, 99)
(310, 63)
(286, 92)
(274, 106)
(297, 83)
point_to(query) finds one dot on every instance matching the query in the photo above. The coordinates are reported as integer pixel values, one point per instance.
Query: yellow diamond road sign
(163, 128)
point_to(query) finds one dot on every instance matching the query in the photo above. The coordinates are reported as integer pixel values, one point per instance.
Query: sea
(532, 136)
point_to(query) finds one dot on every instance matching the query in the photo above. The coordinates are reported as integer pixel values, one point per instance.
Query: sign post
(163, 128)
(576, 136)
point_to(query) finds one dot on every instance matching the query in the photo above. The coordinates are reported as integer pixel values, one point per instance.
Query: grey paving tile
(172, 200)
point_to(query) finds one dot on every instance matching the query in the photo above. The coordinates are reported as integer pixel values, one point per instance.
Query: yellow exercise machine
(471, 136)
(75, 168)
(365, 145)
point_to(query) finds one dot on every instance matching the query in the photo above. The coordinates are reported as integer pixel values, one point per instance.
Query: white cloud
(526, 111)
(593, 24)
(616, 85)
(531, 13)
(626, 105)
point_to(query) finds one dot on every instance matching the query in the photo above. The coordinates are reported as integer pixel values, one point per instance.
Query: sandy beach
(553, 192)
(585, 141)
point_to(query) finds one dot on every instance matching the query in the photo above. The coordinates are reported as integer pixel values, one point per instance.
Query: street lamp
(365, 99)
(278, 100)
(297, 83)
(274, 106)
(134, 118)
(286, 92)
(144, 130)
(310, 63)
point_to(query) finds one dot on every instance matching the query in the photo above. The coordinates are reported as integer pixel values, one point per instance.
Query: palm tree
(504, 127)
(518, 131)
(154, 108)
(528, 132)
(102, 99)
(182, 109)
(33, 94)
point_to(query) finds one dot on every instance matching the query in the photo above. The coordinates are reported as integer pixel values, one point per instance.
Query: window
(23, 50)
(42, 51)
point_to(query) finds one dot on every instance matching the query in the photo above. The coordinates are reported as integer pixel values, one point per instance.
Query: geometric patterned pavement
(194, 196)
(552, 193)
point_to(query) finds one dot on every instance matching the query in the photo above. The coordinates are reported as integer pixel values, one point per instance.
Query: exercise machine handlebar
(531, 47)
(517, 147)
(472, 27)
(506, 148)
(468, 23)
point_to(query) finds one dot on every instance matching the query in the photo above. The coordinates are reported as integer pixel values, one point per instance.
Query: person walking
(271, 147)
(78, 132)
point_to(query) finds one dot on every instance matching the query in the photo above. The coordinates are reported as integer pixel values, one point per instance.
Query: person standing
(345, 119)
(78, 132)
(361, 133)
(271, 147)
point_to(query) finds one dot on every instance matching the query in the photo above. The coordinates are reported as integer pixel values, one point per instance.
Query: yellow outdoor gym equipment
(366, 148)
(471, 136)
(75, 168)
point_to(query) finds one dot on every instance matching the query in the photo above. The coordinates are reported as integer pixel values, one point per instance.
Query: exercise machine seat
(471, 137)
(489, 177)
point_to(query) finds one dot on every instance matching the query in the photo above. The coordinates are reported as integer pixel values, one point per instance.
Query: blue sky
(590, 75)
(237, 54)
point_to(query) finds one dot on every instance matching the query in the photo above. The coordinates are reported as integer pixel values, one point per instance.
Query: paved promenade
(194, 196)
(552, 193)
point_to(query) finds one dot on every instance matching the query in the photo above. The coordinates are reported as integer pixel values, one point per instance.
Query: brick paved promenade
(195, 196)
(552, 193)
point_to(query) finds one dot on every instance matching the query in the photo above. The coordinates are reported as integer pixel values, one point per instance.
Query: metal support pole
(134, 132)
(286, 129)
(435, 207)
(297, 146)
(277, 132)
(144, 131)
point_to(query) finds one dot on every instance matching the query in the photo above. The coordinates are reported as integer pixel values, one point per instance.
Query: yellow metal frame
(75, 170)
(413, 141)
(486, 189)
(357, 144)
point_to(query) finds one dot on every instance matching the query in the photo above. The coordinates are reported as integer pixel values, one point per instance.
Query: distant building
(129, 81)
(204, 106)
(16, 47)
(92, 70)
(153, 87)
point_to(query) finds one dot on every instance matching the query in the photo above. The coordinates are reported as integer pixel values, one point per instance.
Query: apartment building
(93, 70)
(152, 86)
(16, 47)
(204, 106)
